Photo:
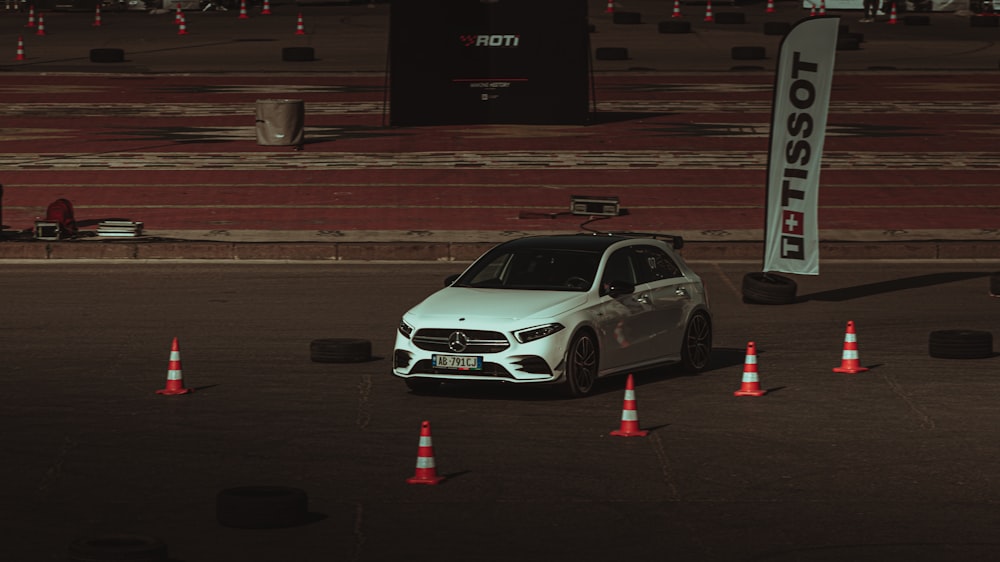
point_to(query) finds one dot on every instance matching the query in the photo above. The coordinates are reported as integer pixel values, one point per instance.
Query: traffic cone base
(175, 381)
(630, 415)
(426, 471)
(849, 362)
(751, 382)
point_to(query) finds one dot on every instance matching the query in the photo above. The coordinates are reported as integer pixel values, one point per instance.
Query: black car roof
(577, 242)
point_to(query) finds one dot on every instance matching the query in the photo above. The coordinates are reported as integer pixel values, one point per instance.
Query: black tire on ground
(674, 26)
(748, 53)
(848, 44)
(917, 20)
(422, 386)
(107, 55)
(995, 284)
(777, 27)
(298, 54)
(696, 351)
(768, 288)
(859, 36)
(582, 362)
(630, 18)
(261, 507)
(843, 29)
(960, 344)
(612, 53)
(340, 350)
(984, 21)
(118, 548)
(730, 18)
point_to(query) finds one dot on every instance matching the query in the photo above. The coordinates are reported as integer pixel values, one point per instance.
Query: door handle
(681, 292)
(643, 298)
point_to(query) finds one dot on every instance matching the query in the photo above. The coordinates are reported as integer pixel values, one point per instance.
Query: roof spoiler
(675, 239)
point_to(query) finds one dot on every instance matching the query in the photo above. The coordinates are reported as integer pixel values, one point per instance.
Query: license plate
(458, 362)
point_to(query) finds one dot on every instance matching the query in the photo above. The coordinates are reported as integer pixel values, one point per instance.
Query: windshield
(533, 269)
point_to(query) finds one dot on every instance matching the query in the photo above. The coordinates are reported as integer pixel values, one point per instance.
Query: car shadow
(872, 289)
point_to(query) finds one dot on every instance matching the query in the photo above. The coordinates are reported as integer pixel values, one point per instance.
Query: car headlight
(538, 332)
(405, 329)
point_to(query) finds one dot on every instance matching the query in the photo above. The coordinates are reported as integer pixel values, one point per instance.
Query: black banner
(488, 61)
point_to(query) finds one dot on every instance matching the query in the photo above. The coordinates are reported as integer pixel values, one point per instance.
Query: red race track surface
(688, 152)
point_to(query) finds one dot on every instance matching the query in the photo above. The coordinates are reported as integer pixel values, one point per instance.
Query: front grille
(424, 367)
(480, 341)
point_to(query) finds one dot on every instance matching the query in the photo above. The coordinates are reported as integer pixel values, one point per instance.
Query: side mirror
(618, 288)
(450, 280)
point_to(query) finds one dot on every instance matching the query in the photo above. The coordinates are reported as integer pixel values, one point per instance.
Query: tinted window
(532, 268)
(653, 264)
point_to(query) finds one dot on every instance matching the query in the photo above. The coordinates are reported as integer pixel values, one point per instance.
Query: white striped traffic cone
(97, 16)
(266, 10)
(20, 48)
(630, 415)
(178, 15)
(708, 11)
(822, 7)
(426, 472)
(892, 15)
(850, 363)
(175, 379)
(611, 7)
(300, 28)
(31, 17)
(182, 28)
(677, 10)
(770, 7)
(243, 10)
(751, 381)
(41, 25)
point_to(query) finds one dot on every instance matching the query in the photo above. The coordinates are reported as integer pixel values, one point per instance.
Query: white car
(563, 309)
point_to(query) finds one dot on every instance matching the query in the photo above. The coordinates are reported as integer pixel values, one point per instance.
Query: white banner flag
(798, 127)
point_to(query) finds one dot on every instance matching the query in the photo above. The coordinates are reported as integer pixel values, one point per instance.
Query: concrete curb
(451, 251)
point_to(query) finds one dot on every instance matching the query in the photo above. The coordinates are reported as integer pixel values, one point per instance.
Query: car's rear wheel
(422, 386)
(697, 348)
(581, 365)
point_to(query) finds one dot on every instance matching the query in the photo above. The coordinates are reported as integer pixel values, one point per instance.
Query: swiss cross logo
(791, 222)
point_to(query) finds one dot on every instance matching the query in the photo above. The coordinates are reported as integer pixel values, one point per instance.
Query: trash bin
(280, 122)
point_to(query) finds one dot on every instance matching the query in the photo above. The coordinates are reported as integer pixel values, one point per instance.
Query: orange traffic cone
(611, 7)
(892, 14)
(182, 28)
(770, 7)
(20, 48)
(97, 16)
(751, 382)
(708, 11)
(299, 27)
(677, 10)
(31, 17)
(822, 7)
(266, 10)
(243, 10)
(426, 472)
(41, 25)
(850, 362)
(630, 417)
(175, 381)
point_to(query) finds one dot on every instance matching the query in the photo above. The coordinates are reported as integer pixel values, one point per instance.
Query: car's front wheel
(697, 348)
(581, 365)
